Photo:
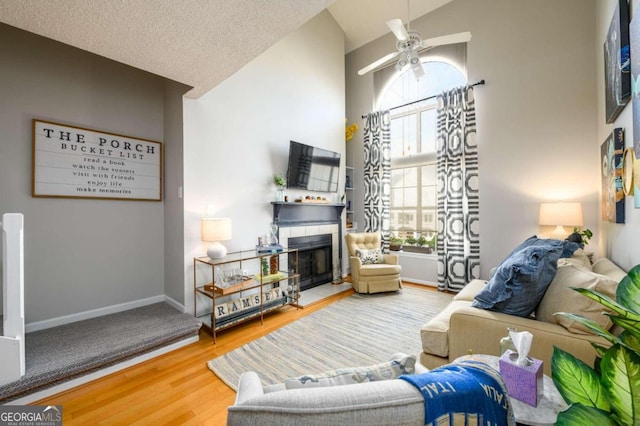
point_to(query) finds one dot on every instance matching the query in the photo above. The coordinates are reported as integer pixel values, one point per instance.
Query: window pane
(429, 196)
(397, 198)
(440, 76)
(410, 197)
(407, 220)
(411, 176)
(428, 131)
(429, 174)
(428, 220)
(403, 136)
(397, 178)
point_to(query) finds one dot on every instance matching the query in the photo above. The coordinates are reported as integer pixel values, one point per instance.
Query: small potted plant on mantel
(280, 182)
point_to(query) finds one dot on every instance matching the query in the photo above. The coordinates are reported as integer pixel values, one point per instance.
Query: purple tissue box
(524, 382)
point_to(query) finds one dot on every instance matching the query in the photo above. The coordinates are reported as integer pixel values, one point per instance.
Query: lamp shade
(560, 214)
(215, 229)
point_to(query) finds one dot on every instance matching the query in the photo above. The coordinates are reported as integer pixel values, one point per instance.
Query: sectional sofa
(461, 329)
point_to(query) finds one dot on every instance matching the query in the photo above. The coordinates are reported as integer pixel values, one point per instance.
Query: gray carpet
(358, 330)
(59, 354)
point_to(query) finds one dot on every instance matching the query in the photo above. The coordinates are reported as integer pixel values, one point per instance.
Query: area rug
(359, 330)
(62, 353)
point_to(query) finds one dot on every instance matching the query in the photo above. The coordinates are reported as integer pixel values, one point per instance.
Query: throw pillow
(370, 257)
(520, 282)
(581, 257)
(568, 247)
(561, 298)
(348, 376)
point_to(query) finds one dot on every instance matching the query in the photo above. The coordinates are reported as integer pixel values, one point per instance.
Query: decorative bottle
(506, 342)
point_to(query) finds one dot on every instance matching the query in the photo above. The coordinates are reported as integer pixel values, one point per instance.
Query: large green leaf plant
(611, 396)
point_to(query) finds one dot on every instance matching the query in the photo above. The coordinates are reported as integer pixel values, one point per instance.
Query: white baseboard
(36, 396)
(67, 319)
(417, 281)
(179, 306)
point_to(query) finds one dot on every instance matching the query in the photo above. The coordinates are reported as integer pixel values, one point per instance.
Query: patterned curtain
(377, 174)
(458, 196)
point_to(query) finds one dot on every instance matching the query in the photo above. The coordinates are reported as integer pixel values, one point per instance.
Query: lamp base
(216, 251)
(559, 233)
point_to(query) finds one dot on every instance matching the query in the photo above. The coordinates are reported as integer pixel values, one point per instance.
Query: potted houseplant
(422, 244)
(395, 243)
(580, 235)
(409, 244)
(280, 182)
(610, 396)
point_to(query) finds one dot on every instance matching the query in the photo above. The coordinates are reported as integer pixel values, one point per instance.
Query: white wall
(237, 136)
(620, 241)
(536, 116)
(80, 254)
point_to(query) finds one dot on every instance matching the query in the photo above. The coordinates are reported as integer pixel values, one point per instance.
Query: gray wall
(173, 187)
(80, 255)
(536, 116)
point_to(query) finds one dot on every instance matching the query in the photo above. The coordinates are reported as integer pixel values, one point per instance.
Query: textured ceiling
(196, 42)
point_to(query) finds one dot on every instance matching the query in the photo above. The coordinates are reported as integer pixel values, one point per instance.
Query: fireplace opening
(314, 259)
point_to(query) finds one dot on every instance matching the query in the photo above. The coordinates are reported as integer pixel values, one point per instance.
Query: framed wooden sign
(74, 162)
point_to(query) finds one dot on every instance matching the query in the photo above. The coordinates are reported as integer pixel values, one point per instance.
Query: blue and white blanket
(469, 392)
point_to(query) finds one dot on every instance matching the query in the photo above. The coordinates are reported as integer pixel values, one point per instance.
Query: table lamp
(560, 215)
(215, 230)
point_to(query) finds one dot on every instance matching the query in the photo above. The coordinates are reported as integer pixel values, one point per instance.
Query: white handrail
(12, 364)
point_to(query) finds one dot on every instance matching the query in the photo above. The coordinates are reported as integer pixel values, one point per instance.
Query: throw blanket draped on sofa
(469, 389)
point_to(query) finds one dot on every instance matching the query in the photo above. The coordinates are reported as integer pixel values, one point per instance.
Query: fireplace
(315, 230)
(315, 256)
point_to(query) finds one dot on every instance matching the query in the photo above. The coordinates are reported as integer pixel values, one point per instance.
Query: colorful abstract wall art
(634, 35)
(611, 153)
(617, 67)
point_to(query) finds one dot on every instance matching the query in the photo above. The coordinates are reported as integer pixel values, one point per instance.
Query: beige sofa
(461, 329)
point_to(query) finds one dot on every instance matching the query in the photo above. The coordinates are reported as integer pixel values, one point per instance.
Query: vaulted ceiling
(196, 42)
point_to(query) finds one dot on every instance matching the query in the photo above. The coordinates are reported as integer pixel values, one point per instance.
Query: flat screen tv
(312, 168)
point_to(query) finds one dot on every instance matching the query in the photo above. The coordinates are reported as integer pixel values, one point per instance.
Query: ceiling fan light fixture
(404, 60)
(413, 57)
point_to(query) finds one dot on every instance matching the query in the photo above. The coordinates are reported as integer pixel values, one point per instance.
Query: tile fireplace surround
(303, 220)
(309, 230)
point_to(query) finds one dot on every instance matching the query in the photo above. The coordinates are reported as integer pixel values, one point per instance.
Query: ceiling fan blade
(447, 39)
(397, 28)
(377, 63)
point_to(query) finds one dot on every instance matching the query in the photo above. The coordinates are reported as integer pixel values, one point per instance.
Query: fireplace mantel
(300, 214)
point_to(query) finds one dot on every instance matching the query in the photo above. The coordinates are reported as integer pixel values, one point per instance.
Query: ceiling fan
(408, 44)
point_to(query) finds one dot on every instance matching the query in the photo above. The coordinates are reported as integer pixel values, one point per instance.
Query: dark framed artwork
(617, 66)
(634, 35)
(611, 156)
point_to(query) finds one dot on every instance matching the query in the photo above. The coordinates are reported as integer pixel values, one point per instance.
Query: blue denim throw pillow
(568, 247)
(519, 283)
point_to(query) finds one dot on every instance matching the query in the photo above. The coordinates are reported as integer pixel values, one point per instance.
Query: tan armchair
(372, 278)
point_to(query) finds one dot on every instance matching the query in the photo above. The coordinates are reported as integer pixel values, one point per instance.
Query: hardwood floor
(174, 389)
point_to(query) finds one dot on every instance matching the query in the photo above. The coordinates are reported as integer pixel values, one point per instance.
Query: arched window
(413, 148)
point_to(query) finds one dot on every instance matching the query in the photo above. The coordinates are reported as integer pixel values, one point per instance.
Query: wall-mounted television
(312, 168)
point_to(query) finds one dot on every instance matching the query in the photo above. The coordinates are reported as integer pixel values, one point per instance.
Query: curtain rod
(481, 82)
